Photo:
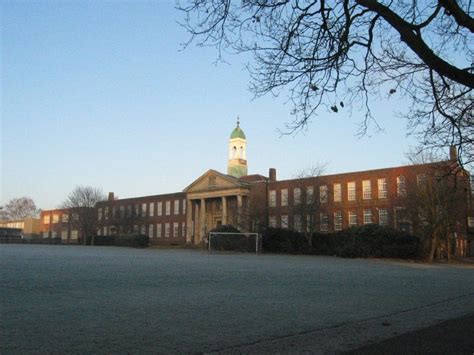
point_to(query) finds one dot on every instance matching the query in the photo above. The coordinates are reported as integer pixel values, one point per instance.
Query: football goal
(240, 242)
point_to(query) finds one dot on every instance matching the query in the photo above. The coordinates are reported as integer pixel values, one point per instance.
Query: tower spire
(237, 164)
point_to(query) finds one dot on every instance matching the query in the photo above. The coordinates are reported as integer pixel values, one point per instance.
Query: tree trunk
(448, 247)
(433, 248)
(92, 240)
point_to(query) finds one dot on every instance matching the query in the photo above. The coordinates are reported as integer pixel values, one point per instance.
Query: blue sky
(100, 94)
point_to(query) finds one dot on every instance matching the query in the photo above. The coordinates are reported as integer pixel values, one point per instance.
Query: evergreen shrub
(279, 240)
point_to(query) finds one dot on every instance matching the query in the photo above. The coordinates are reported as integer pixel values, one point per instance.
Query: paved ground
(454, 336)
(57, 299)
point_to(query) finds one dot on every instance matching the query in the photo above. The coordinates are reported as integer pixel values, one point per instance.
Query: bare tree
(125, 218)
(81, 202)
(436, 207)
(338, 54)
(19, 208)
(306, 206)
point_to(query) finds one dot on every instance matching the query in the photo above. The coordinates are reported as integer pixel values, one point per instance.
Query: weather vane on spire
(238, 121)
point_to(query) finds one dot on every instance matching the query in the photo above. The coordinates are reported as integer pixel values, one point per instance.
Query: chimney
(453, 153)
(111, 196)
(272, 174)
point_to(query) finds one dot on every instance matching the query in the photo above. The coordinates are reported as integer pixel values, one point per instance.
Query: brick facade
(165, 218)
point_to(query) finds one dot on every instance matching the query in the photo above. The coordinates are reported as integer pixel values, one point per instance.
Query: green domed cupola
(237, 165)
(237, 132)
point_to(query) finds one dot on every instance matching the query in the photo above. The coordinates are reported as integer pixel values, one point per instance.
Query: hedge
(126, 240)
(369, 240)
(233, 242)
(278, 240)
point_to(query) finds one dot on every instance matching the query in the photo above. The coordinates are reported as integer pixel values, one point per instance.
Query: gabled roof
(231, 180)
(253, 178)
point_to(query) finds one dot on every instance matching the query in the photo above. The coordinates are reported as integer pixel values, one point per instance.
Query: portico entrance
(214, 199)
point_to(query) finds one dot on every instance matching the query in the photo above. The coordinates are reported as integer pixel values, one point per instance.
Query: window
(143, 210)
(309, 195)
(46, 234)
(272, 198)
(122, 211)
(176, 229)
(137, 212)
(55, 218)
(176, 207)
(351, 191)
(273, 222)
(212, 180)
(65, 218)
(129, 211)
(284, 221)
(470, 222)
(323, 193)
(401, 186)
(297, 223)
(158, 230)
(184, 206)
(338, 220)
(323, 222)
(64, 234)
(401, 219)
(114, 210)
(167, 230)
(168, 208)
(99, 214)
(366, 190)
(150, 230)
(382, 187)
(104, 230)
(284, 197)
(383, 217)
(159, 208)
(183, 227)
(352, 219)
(74, 234)
(151, 209)
(420, 179)
(296, 196)
(143, 229)
(135, 229)
(367, 216)
(106, 213)
(337, 192)
(99, 231)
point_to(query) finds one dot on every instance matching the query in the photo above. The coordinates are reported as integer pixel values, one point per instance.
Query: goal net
(240, 242)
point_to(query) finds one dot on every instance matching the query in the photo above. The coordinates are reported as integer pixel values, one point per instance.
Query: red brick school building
(324, 203)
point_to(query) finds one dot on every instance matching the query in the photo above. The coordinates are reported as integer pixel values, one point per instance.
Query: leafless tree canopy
(335, 54)
(19, 208)
(81, 202)
(309, 205)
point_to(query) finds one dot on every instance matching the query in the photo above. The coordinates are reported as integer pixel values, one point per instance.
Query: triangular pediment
(214, 180)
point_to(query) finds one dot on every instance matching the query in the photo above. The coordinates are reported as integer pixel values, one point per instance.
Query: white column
(189, 221)
(203, 218)
(224, 210)
(239, 210)
(197, 222)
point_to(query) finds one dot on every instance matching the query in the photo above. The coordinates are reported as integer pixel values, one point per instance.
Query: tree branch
(418, 46)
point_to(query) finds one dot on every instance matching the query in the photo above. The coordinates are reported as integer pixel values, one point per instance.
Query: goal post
(229, 241)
